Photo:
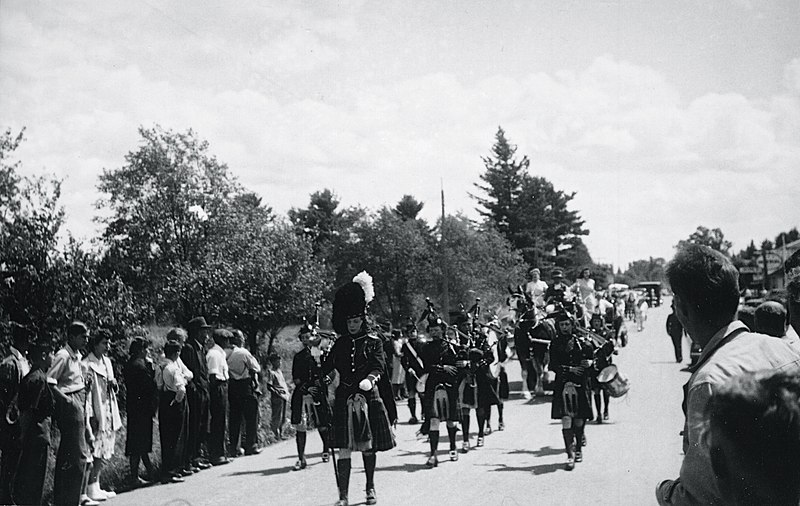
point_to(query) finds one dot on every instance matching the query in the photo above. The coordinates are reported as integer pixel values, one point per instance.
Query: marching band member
(364, 408)
(309, 404)
(571, 358)
(440, 402)
(414, 369)
(602, 359)
(477, 390)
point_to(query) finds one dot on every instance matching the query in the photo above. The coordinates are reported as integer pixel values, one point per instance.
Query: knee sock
(369, 468)
(568, 441)
(606, 398)
(434, 441)
(344, 478)
(598, 403)
(412, 406)
(323, 434)
(451, 433)
(500, 412)
(465, 426)
(489, 416)
(481, 416)
(300, 439)
(578, 437)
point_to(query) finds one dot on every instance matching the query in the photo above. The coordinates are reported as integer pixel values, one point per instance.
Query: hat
(351, 300)
(458, 317)
(558, 273)
(198, 322)
(305, 328)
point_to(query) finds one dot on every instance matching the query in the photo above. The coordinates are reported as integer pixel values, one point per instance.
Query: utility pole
(445, 272)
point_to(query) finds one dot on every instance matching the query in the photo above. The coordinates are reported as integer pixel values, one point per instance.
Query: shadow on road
(541, 452)
(308, 456)
(263, 472)
(409, 468)
(537, 469)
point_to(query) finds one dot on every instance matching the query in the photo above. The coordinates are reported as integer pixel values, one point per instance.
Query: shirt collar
(73, 353)
(717, 338)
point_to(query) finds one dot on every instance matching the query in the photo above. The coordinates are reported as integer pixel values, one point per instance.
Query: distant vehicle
(652, 291)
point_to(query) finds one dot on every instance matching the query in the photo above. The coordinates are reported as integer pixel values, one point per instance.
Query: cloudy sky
(662, 116)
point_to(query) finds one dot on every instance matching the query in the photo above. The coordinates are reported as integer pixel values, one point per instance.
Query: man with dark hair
(754, 439)
(770, 319)
(193, 356)
(218, 396)
(173, 416)
(13, 368)
(706, 296)
(243, 394)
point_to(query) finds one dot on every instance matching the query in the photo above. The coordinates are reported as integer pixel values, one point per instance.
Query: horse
(532, 337)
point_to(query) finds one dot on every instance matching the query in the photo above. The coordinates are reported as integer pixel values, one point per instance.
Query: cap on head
(197, 323)
(558, 273)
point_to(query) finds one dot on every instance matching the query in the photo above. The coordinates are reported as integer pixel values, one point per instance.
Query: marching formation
(206, 385)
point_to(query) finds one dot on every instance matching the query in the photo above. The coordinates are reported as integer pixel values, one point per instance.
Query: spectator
(141, 407)
(706, 296)
(13, 368)
(675, 331)
(770, 319)
(38, 402)
(243, 397)
(280, 395)
(218, 396)
(73, 457)
(397, 371)
(104, 419)
(536, 288)
(754, 439)
(193, 357)
(173, 416)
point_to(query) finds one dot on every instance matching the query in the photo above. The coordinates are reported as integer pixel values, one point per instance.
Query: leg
(344, 474)
(133, 461)
(412, 406)
(451, 435)
(433, 439)
(598, 401)
(501, 423)
(569, 441)
(607, 398)
(465, 421)
(300, 440)
(148, 465)
(369, 469)
(578, 426)
(235, 416)
(251, 423)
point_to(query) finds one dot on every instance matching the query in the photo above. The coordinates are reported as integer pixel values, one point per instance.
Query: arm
(696, 484)
(57, 368)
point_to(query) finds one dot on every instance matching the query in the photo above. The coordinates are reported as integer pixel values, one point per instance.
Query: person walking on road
(675, 331)
(705, 284)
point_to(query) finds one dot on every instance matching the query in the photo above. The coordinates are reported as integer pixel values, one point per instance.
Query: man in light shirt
(242, 396)
(706, 288)
(73, 457)
(218, 396)
(173, 414)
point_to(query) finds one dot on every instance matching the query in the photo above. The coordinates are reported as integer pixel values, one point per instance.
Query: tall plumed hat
(351, 300)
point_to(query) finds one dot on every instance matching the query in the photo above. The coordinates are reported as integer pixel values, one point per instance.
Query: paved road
(623, 462)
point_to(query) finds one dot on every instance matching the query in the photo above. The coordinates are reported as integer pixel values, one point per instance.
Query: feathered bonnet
(350, 300)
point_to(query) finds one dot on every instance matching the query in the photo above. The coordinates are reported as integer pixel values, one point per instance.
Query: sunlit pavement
(524, 464)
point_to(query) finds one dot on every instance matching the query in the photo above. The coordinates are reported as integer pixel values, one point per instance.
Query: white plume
(365, 280)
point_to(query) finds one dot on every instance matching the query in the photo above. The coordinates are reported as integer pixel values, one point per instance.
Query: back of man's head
(754, 438)
(770, 319)
(707, 282)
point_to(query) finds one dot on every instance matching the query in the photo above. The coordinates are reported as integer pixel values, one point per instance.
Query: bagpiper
(440, 400)
(364, 409)
(571, 357)
(309, 403)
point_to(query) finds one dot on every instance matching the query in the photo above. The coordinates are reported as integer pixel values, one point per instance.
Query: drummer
(602, 359)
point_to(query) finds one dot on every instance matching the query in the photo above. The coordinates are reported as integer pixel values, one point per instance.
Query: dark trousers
(243, 407)
(8, 465)
(197, 400)
(30, 474)
(73, 452)
(173, 424)
(532, 374)
(677, 343)
(278, 405)
(218, 407)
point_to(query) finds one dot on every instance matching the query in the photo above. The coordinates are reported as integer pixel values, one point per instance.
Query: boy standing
(280, 395)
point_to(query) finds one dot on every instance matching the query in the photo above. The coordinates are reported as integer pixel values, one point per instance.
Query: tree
(159, 207)
(502, 185)
(408, 208)
(713, 238)
(787, 237)
(528, 210)
(652, 269)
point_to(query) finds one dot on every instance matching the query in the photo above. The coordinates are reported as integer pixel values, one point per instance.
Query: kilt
(452, 402)
(411, 384)
(584, 401)
(379, 426)
(502, 385)
(309, 422)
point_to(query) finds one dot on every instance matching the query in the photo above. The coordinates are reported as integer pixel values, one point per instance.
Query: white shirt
(536, 289)
(24, 365)
(173, 378)
(241, 362)
(217, 363)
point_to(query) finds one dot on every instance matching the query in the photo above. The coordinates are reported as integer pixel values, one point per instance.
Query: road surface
(624, 460)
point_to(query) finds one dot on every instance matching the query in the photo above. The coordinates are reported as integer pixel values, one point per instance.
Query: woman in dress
(104, 419)
(363, 409)
(141, 406)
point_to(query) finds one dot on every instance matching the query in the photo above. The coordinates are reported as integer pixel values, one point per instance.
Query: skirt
(377, 422)
(584, 402)
(452, 408)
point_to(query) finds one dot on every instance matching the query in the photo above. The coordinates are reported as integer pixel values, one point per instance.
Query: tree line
(181, 236)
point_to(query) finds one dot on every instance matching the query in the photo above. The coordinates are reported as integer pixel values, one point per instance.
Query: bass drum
(615, 383)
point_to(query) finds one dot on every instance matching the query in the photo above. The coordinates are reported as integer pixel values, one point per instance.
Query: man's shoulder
(748, 352)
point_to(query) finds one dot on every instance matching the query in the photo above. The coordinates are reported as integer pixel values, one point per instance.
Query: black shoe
(253, 451)
(413, 420)
(220, 461)
(172, 479)
(201, 464)
(371, 497)
(578, 456)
